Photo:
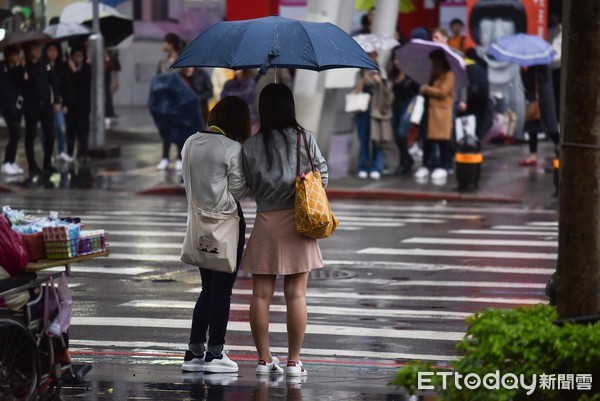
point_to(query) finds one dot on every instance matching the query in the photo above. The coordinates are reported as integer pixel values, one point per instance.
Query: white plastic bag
(418, 108)
(58, 307)
(357, 102)
(465, 125)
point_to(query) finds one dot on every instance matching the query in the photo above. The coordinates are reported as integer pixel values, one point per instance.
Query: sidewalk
(502, 179)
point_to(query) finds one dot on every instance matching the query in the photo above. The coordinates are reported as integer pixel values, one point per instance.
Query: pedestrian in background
(11, 106)
(537, 81)
(458, 40)
(199, 81)
(53, 55)
(217, 182)
(404, 89)
(243, 86)
(79, 106)
(370, 157)
(439, 95)
(274, 247)
(172, 45)
(41, 98)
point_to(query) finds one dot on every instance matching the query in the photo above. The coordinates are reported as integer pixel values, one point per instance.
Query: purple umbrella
(413, 58)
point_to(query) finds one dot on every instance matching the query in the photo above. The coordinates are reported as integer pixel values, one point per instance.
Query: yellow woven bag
(314, 217)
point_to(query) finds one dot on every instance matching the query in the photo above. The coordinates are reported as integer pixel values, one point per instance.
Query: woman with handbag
(214, 182)
(275, 247)
(540, 115)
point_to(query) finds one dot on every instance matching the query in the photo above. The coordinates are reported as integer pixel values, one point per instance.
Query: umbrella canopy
(372, 43)
(175, 108)
(274, 42)
(114, 26)
(413, 58)
(20, 38)
(67, 30)
(521, 49)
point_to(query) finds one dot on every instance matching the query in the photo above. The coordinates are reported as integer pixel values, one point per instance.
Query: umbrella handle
(265, 66)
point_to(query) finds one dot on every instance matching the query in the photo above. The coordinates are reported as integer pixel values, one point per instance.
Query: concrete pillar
(384, 23)
(315, 106)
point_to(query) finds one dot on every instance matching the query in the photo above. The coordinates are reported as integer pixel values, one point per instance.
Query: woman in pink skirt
(274, 247)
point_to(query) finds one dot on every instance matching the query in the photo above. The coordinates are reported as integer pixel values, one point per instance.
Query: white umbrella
(371, 42)
(114, 26)
(67, 30)
(413, 58)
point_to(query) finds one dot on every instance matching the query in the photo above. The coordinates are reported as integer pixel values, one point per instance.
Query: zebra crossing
(398, 283)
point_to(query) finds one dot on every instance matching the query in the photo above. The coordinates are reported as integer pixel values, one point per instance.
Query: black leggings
(444, 147)
(211, 312)
(167, 147)
(14, 132)
(533, 128)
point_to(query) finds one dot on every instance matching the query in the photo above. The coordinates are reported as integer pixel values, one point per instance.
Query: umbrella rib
(310, 41)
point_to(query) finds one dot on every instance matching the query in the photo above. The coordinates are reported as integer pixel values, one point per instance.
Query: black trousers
(78, 129)
(167, 147)
(14, 132)
(42, 113)
(445, 152)
(533, 128)
(211, 312)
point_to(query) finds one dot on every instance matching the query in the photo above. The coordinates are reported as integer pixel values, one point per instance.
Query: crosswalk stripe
(312, 309)
(485, 284)
(405, 266)
(387, 297)
(352, 331)
(456, 253)
(544, 223)
(526, 228)
(126, 271)
(505, 232)
(486, 242)
(179, 347)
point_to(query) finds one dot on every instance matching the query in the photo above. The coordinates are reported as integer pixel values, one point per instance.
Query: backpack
(13, 253)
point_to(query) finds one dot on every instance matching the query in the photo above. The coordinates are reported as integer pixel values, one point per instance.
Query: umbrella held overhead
(523, 50)
(274, 42)
(413, 58)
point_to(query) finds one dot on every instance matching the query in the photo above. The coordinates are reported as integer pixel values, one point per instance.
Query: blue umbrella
(521, 49)
(175, 108)
(274, 42)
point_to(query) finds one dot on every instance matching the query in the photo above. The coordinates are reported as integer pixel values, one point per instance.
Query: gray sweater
(274, 188)
(212, 172)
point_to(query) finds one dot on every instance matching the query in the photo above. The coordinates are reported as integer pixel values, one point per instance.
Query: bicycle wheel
(19, 362)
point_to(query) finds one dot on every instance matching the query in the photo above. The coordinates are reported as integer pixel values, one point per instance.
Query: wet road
(399, 280)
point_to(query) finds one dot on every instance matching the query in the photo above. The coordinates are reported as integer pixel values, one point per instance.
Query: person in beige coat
(440, 98)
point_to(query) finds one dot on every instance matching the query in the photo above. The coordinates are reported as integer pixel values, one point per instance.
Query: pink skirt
(275, 247)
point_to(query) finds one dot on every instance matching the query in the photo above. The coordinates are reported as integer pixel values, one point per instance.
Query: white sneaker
(164, 163)
(18, 169)
(178, 165)
(192, 362)
(422, 172)
(219, 364)
(363, 175)
(8, 169)
(65, 157)
(439, 174)
(271, 368)
(295, 369)
(375, 175)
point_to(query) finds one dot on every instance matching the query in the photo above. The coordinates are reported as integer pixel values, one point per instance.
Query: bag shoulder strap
(298, 146)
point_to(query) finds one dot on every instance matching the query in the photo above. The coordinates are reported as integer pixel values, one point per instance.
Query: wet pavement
(148, 382)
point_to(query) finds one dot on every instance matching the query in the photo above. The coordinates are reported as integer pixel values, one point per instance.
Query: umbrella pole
(275, 73)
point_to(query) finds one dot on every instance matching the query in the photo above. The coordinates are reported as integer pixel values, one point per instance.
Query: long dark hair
(277, 112)
(231, 114)
(174, 40)
(439, 64)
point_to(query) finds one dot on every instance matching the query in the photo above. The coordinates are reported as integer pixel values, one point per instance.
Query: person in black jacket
(79, 106)
(53, 56)
(41, 98)
(11, 100)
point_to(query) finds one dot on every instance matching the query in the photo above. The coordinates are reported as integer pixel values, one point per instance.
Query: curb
(361, 194)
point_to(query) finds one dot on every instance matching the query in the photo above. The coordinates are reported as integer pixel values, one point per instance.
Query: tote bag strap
(298, 146)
